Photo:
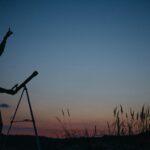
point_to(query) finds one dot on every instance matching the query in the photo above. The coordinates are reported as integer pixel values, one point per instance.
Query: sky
(91, 55)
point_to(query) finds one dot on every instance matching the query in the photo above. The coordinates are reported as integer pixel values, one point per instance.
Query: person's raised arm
(3, 43)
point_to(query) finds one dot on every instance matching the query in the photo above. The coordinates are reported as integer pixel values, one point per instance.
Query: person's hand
(9, 32)
(10, 91)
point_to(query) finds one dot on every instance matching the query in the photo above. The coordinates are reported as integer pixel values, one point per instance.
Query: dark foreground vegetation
(136, 142)
(128, 131)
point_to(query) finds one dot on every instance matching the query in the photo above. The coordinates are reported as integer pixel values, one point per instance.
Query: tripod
(25, 90)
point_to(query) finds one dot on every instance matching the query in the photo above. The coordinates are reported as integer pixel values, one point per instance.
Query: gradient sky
(91, 56)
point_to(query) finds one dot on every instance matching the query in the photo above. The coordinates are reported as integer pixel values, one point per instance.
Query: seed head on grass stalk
(142, 117)
(68, 112)
(63, 113)
(121, 109)
(142, 114)
(132, 113)
(115, 111)
(58, 120)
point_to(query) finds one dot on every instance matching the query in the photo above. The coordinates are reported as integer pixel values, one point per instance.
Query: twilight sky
(91, 55)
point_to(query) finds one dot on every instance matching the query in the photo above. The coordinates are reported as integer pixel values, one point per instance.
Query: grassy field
(128, 131)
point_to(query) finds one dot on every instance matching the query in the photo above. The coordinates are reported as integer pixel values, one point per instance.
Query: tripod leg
(5, 141)
(33, 120)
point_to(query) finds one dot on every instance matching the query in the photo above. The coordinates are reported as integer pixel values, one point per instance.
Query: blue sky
(91, 55)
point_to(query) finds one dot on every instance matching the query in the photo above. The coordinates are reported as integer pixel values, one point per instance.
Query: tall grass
(69, 132)
(124, 123)
(65, 123)
(129, 123)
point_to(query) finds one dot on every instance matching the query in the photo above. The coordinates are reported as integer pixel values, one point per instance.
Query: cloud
(4, 106)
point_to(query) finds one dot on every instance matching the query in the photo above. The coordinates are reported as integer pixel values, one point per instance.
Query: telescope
(15, 89)
(23, 84)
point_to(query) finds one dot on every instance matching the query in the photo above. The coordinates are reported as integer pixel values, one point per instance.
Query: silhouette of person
(2, 47)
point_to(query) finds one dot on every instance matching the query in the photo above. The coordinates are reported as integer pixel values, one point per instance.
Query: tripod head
(16, 88)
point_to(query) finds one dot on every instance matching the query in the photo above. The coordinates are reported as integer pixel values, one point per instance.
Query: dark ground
(139, 142)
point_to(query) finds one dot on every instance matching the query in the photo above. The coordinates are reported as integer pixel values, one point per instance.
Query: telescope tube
(35, 73)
